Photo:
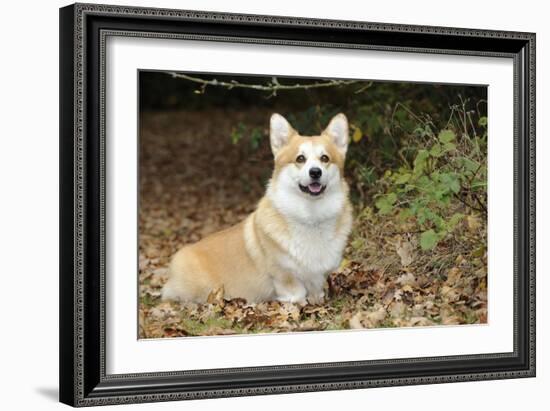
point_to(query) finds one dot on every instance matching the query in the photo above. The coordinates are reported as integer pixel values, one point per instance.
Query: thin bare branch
(272, 87)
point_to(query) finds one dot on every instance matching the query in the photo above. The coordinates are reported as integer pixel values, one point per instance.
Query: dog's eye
(300, 159)
(324, 158)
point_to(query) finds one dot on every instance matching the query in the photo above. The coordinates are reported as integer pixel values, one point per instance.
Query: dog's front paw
(290, 290)
(316, 298)
(295, 299)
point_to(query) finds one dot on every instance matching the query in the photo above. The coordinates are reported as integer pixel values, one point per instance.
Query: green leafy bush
(444, 179)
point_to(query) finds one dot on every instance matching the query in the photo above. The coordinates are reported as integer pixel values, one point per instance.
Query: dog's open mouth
(313, 189)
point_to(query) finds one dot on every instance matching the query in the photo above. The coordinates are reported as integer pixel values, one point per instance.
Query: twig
(481, 208)
(272, 87)
(481, 204)
(477, 106)
(472, 123)
(453, 108)
(464, 122)
(366, 86)
(471, 179)
(404, 232)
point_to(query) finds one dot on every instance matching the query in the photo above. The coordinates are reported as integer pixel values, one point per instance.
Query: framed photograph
(259, 205)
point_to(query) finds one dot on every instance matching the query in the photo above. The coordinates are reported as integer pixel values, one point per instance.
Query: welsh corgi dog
(286, 248)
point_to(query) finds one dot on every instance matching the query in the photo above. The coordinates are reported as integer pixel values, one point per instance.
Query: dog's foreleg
(315, 290)
(289, 289)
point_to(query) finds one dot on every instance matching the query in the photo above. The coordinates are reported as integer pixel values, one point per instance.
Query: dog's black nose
(315, 172)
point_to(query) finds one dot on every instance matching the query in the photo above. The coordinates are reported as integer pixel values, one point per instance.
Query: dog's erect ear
(280, 132)
(338, 131)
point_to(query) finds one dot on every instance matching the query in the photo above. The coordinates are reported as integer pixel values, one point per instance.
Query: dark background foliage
(385, 113)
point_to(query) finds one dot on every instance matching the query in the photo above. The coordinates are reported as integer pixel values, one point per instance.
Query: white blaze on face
(300, 174)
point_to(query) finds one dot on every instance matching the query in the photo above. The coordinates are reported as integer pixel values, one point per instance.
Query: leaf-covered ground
(194, 181)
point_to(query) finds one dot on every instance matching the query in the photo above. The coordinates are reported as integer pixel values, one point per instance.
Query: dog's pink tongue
(314, 187)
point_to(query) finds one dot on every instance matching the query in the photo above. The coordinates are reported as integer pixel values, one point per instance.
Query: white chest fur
(315, 240)
(314, 250)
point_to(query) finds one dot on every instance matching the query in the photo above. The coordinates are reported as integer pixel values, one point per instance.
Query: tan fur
(248, 258)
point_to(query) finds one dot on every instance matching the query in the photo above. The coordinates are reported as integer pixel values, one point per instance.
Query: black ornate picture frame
(83, 31)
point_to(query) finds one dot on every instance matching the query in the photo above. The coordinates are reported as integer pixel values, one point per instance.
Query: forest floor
(195, 181)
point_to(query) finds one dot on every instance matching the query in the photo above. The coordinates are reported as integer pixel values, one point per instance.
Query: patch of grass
(149, 301)
(338, 323)
(206, 327)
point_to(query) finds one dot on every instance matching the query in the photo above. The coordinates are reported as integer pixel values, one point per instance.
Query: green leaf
(238, 133)
(454, 220)
(477, 184)
(451, 181)
(428, 239)
(446, 136)
(385, 203)
(235, 136)
(405, 213)
(469, 165)
(429, 215)
(449, 146)
(402, 178)
(435, 151)
(357, 135)
(424, 183)
(420, 161)
(256, 137)
(482, 121)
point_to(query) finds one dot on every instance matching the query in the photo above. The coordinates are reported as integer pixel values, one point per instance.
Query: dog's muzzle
(315, 188)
